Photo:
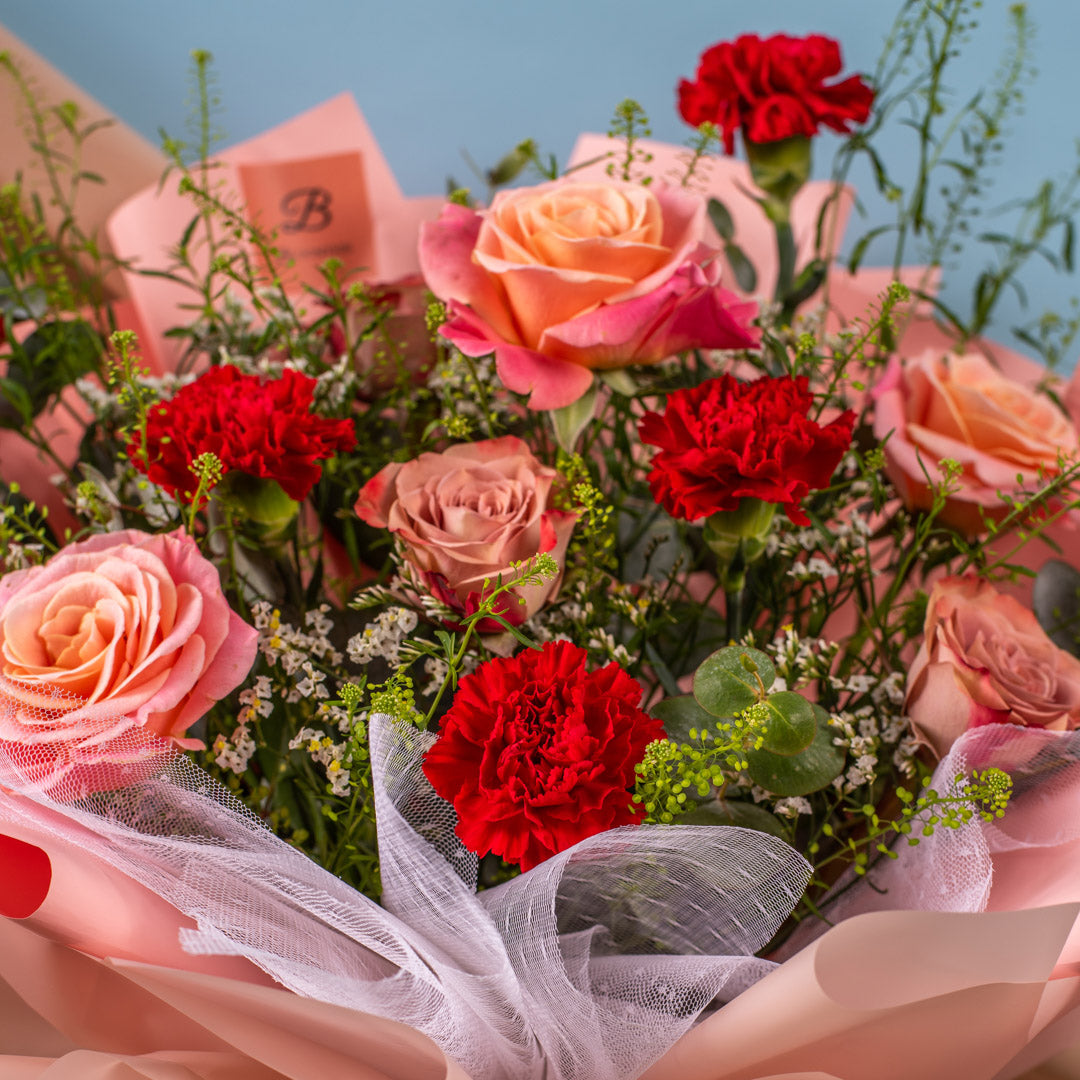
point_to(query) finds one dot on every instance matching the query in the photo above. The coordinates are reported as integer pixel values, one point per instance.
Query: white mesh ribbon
(953, 870)
(588, 966)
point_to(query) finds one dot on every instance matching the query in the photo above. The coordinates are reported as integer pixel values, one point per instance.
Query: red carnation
(773, 89)
(261, 427)
(536, 753)
(725, 441)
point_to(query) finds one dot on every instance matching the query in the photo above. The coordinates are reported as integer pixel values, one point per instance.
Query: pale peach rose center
(89, 633)
(574, 228)
(968, 400)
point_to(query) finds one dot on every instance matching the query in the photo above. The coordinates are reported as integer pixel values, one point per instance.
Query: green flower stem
(785, 253)
(780, 169)
(734, 604)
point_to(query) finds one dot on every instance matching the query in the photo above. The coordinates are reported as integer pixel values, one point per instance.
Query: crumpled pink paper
(94, 984)
(883, 995)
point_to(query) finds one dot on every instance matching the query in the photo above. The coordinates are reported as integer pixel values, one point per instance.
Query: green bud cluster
(984, 795)
(396, 699)
(670, 773)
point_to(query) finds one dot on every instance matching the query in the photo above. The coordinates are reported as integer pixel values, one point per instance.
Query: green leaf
(680, 714)
(741, 267)
(859, 250)
(728, 681)
(620, 380)
(721, 218)
(52, 357)
(791, 725)
(660, 668)
(1056, 603)
(816, 767)
(16, 410)
(571, 420)
(742, 815)
(807, 283)
(189, 231)
(527, 641)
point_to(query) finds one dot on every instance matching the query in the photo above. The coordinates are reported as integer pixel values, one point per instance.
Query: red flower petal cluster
(536, 753)
(773, 89)
(261, 427)
(725, 441)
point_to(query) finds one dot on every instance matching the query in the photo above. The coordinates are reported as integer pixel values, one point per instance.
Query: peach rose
(559, 279)
(985, 659)
(938, 406)
(466, 514)
(124, 630)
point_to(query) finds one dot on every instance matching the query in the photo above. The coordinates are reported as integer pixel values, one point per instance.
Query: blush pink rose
(937, 406)
(122, 631)
(466, 514)
(567, 277)
(985, 659)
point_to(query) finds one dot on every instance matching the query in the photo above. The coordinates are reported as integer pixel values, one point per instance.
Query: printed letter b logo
(306, 209)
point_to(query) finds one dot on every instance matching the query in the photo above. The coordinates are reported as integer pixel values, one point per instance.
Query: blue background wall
(434, 78)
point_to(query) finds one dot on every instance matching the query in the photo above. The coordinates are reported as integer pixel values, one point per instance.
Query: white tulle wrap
(586, 968)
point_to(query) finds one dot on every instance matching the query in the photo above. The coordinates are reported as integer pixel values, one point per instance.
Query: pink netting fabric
(589, 966)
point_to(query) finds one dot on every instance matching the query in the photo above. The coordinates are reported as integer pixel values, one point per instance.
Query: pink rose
(468, 513)
(985, 659)
(121, 631)
(937, 406)
(567, 277)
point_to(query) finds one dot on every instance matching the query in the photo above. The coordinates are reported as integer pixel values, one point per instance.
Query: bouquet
(579, 628)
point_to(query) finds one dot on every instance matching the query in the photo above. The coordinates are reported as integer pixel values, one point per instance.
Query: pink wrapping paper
(882, 996)
(302, 177)
(893, 995)
(70, 1016)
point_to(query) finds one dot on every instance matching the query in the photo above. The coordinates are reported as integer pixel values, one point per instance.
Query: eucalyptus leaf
(791, 725)
(743, 815)
(570, 421)
(721, 219)
(1055, 600)
(816, 767)
(680, 714)
(728, 681)
(741, 267)
(16, 409)
(27, 302)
